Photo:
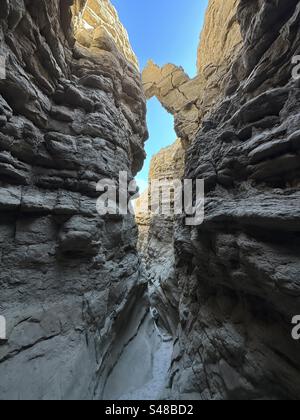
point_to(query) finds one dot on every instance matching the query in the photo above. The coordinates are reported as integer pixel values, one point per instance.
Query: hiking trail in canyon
(142, 369)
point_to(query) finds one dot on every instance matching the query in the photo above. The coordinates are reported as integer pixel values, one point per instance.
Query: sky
(166, 31)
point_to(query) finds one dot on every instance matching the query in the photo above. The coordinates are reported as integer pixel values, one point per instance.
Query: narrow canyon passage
(141, 372)
(107, 306)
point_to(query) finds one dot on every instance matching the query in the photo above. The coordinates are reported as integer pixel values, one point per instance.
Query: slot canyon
(145, 307)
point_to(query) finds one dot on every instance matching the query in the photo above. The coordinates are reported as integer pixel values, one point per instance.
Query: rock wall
(69, 116)
(238, 273)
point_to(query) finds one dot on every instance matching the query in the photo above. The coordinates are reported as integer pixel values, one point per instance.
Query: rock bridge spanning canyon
(75, 290)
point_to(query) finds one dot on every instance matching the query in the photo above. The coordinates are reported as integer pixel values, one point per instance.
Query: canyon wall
(70, 115)
(238, 273)
(220, 37)
(190, 100)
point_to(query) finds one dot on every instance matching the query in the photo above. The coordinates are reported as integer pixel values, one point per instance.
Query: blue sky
(166, 31)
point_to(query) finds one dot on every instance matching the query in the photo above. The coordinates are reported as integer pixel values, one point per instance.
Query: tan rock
(220, 36)
(156, 237)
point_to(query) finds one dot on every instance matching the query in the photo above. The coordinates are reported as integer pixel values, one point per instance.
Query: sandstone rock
(70, 116)
(72, 283)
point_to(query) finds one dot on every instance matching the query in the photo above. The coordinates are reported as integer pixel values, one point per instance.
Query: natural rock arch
(191, 100)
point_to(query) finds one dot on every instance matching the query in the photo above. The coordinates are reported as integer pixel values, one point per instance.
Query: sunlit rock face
(99, 17)
(191, 100)
(70, 115)
(167, 165)
(236, 277)
(238, 273)
(220, 37)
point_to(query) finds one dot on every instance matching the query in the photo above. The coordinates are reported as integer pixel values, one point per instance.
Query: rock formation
(220, 37)
(69, 116)
(156, 232)
(101, 17)
(72, 283)
(190, 100)
(238, 273)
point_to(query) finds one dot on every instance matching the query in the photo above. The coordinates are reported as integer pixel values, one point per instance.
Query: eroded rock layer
(238, 273)
(69, 116)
